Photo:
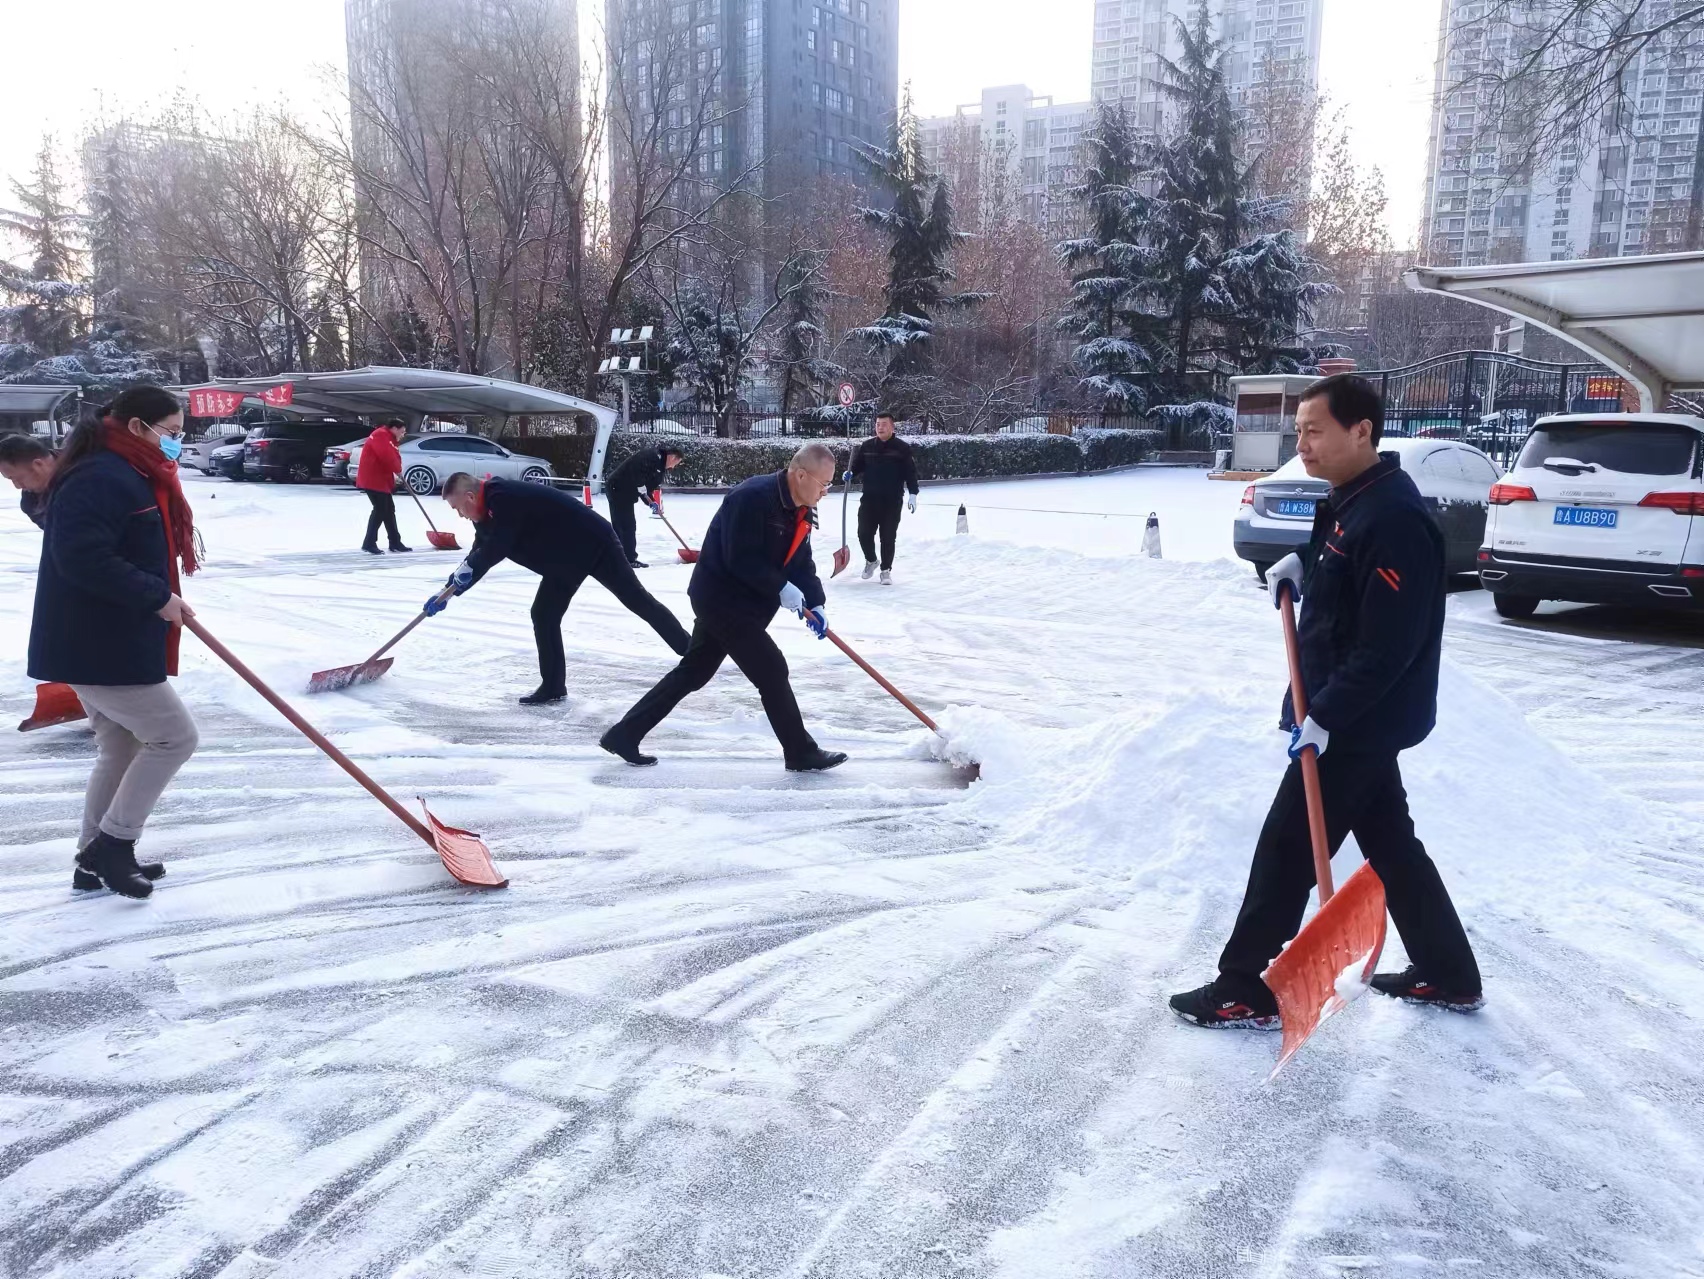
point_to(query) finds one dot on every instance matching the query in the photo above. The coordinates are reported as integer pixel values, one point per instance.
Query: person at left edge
(564, 542)
(381, 467)
(633, 482)
(29, 465)
(108, 618)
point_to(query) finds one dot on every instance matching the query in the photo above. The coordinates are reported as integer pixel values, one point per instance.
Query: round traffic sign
(848, 395)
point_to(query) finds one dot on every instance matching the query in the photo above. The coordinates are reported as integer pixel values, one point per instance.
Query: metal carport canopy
(38, 400)
(1642, 316)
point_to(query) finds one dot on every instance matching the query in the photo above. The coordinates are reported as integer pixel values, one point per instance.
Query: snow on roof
(1644, 317)
(378, 390)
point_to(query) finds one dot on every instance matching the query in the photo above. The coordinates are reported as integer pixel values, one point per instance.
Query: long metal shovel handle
(422, 507)
(1309, 758)
(310, 732)
(671, 528)
(876, 675)
(401, 635)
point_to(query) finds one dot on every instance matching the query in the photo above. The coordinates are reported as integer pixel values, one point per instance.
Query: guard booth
(1263, 437)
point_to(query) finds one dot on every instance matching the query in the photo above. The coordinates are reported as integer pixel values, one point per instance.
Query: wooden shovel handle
(876, 675)
(310, 732)
(671, 528)
(403, 633)
(1309, 758)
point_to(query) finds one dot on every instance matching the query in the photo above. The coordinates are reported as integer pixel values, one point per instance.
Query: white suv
(1600, 508)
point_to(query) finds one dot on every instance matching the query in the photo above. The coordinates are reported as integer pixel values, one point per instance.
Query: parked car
(199, 453)
(336, 464)
(1600, 508)
(227, 460)
(429, 460)
(292, 451)
(1276, 515)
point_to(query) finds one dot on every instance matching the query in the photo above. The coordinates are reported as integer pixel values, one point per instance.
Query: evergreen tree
(919, 227)
(45, 293)
(796, 361)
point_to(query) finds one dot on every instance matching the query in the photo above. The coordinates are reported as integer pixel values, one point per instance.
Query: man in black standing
(756, 560)
(635, 481)
(1370, 633)
(564, 542)
(888, 469)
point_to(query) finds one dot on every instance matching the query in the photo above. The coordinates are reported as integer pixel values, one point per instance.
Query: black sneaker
(372, 550)
(113, 862)
(818, 761)
(398, 546)
(83, 881)
(637, 564)
(542, 696)
(626, 750)
(1412, 988)
(1217, 1006)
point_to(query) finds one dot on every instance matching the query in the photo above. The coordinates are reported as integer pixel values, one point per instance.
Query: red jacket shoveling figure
(381, 466)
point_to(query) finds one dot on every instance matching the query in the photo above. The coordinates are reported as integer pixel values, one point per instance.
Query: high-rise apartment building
(1632, 187)
(1131, 37)
(1027, 146)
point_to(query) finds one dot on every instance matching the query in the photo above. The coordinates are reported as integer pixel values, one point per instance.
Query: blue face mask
(170, 445)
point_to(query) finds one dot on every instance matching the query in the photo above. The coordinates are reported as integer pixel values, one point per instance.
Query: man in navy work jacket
(29, 465)
(564, 542)
(634, 481)
(756, 559)
(886, 465)
(1370, 633)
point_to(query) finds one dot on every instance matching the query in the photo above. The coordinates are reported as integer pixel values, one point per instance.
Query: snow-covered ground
(881, 1022)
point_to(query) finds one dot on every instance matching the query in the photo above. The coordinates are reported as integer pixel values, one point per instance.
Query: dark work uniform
(1370, 633)
(634, 481)
(752, 547)
(564, 542)
(888, 470)
(32, 506)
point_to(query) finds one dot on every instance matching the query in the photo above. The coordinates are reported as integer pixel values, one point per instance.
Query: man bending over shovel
(1370, 633)
(564, 542)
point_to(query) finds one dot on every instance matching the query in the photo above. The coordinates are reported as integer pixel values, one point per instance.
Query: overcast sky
(72, 61)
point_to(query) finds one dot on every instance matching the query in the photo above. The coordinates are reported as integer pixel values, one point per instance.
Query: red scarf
(801, 531)
(162, 476)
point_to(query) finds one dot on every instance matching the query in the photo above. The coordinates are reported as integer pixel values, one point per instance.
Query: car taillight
(1692, 572)
(1248, 496)
(259, 444)
(1679, 503)
(1503, 494)
(1484, 555)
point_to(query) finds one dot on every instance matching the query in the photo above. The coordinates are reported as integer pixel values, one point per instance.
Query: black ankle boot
(84, 882)
(113, 862)
(542, 696)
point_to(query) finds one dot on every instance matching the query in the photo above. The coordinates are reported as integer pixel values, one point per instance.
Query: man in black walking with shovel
(564, 542)
(1370, 637)
(635, 481)
(888, 469)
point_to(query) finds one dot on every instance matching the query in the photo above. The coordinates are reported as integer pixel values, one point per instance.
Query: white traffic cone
(1151, 537)
(963, 520)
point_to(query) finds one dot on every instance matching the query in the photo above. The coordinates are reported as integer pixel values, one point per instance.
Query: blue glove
(437, 604)
(912, 504)
(462, 578)
(654, 508)
(817, 619)
(792, 598)
(1307, 734)
(846, 479)
(1285, 574)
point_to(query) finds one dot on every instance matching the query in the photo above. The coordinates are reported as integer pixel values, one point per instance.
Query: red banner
(214, 403)
(280, 395)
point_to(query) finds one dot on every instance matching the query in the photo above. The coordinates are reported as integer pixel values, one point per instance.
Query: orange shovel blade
(55, 704)
(687, 556)
(442, 541)
(1347, 933)
(842, 558)
(464, 854)
(339, 678)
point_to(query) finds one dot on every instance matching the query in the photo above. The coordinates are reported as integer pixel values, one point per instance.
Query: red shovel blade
(464, 854)
(842, 558)
(1348, 932)
(687, 556)
(339, 678)
(442, 541)
(55, 704)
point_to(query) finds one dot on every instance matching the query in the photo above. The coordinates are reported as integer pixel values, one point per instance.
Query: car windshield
(1632, 448)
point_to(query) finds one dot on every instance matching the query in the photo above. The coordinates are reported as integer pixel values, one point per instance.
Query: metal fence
(757, 425)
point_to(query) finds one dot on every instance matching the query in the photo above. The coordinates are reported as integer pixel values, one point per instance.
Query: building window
(810, 39)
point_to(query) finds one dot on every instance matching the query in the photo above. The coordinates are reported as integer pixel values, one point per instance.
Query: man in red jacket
(381, 465)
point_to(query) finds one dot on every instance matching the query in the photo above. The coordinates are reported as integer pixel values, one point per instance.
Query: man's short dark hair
(394, 423)
(1349, 399)
(21, 450)
(460, 482)
(881, 413)
(671, 450)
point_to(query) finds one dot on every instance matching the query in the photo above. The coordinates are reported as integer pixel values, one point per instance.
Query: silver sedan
(429, 460)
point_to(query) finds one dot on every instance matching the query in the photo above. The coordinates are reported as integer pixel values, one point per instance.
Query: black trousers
(716, 636)
(1363, 794)
(621, 516)
(556, 592)
(878, 515)
(384, 512)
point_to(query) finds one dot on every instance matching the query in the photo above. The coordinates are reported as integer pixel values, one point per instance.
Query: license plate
(1587, 516)
(1295, 506)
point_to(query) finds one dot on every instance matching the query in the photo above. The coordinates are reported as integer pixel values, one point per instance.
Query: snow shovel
(686, 553)
(440, 541)
(339, 678)
(463, 853)
(843, 556)
(1314, 976)
(55, 704)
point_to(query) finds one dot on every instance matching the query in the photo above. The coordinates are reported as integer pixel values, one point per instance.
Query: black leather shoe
(637, 564)
(818, 761)
(400, 547)
(626, 750)
(542, 696)
(372, 550)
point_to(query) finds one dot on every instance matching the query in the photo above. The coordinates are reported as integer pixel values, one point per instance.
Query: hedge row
(709, 462)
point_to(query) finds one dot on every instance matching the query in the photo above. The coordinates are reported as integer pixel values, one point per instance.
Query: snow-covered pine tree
(797, 361)
(45, 294)
(918, 224)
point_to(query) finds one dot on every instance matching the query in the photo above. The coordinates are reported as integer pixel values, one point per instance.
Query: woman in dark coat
(108, 618)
